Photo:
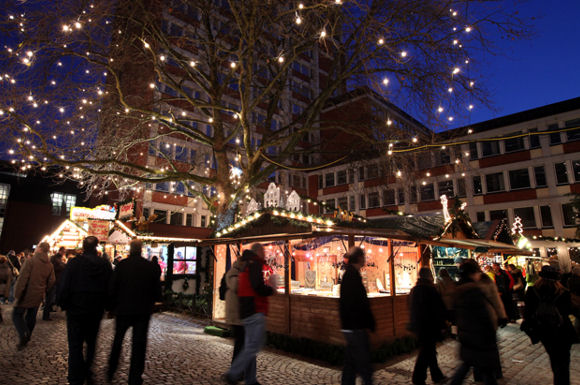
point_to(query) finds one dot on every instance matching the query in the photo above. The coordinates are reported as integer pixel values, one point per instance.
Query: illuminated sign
(103, 212)
(126, 210)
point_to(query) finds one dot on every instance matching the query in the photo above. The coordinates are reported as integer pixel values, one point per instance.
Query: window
(62, 203)
(161, 216)
(427, 192)
(185, 260)
(362, 202)
(446, 188)
(497, 214)
(495, 182)
(519, 179)
(329, 179)
(444, 157)
(189, 219)
(480, 216)
(176, 219)
(527, 216)
(329, 206)
(555, 137)
(534, 139)
(351, 203)
(423, 160)
(145, 212)
(341, 177)
(569, 214)
(540, 175)
(514, 144)
(388, 197)
(374, 200)
(320, 181)
(546, 214)
(350, 175)
(203, 221)
(461, 188)
(401, 196)
(361, 173)
(296, 181)
(473, 151)
(490, 148)
(413, 194)
(477, 188)
(343, 203)
(181, 154)
(163, 186)
(4, 191)
(561, 173)
(574, 134)
(372, 171)
(576, 165)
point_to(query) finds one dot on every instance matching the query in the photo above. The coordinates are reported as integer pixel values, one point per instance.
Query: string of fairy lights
(38, 150)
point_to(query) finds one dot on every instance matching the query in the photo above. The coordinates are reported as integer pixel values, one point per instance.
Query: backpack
(548, 316)
(223, 287)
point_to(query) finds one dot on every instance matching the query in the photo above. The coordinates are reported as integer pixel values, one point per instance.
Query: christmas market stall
(306, 252)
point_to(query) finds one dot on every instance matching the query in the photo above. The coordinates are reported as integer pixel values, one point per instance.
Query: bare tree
(123, 93)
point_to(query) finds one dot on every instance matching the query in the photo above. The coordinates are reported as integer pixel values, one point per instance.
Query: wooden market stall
(307, 254)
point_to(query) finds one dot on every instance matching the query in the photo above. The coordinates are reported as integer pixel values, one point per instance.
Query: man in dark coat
(58, 265)
(504, 284)
(134, 288)
(475, 328)
(427, 322)
(356, 318)
(82, 292)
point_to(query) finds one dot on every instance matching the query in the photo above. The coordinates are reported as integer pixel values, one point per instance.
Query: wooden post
(424, 255)
(392, 283)
(350, 241)
(287, 267)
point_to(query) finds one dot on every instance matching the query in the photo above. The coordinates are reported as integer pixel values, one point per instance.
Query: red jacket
(253, 293)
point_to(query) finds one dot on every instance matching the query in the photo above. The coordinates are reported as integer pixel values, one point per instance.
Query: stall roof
(163, 236)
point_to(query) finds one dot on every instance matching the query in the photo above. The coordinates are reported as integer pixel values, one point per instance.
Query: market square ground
(180, 353)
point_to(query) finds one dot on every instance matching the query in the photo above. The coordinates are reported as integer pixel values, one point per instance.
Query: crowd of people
(85, 285)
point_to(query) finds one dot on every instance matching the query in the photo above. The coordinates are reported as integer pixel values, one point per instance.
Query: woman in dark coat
(427, 322)
(550, 326)
(475, 327)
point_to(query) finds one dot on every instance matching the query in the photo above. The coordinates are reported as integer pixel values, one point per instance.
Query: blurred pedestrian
(428, 322)
(504, 285)
(356, 319)
(476, 332)
(548, 305)
(50, 301)
(15, 265)
(446, 287)
(574, 285)
(35, 279)
(134, 289)
(5, 282)
(82, 293)
(233, 305)
(155, 263)
(253, 295)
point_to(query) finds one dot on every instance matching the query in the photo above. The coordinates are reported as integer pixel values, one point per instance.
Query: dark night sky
(541, 70)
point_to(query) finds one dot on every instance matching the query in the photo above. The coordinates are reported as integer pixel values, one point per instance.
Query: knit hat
(549, 272)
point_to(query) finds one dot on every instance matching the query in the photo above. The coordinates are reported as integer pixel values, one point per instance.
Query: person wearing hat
(475, 327)
(428, 323)
(547, 306)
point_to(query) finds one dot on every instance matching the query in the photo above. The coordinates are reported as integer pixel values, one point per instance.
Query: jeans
(357, 358)
(487, 374)
(24, 319)
(255, 336)
(427, 358)
(140, 324)
(238, 331)
(559, 353)
(81, 329)
(49, 302)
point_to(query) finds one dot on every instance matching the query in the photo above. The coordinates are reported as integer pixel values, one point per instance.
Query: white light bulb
(385, 81)
(389, 122)
(468, 29)
(415, 140)
(151, 85)
(404, 54)
(233, 65)
(323, 33)
(450, 118)
(298, 20)
(450, 89)
(78, 25)
(455, 70)
(440, 109)
(162, 57)
(281, 59)
(381, 41)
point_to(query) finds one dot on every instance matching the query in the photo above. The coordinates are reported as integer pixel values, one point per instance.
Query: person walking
(475, 329)
(36, 277)
(356, 318)
(547, 306)
(233, 305)
(5, 282)
(82, 293)
(446, 287)
(504, 285)
(253, 296)
(58, 265)
(15, 265)
(134, 289)
(428, 323)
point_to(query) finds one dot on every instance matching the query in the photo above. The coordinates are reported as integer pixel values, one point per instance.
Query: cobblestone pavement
(180, 353)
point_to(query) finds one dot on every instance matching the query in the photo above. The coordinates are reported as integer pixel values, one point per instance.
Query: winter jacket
(14, 261)
(494, 304)
(562, 301)
(36, 277)
(134, 287)
(475, 328)
(232, 302)
(82, 289)
(253, 293)
(502, 280)
(5, 279)
(58, 266)
(427, 311)
(446, 288)
(354, 306)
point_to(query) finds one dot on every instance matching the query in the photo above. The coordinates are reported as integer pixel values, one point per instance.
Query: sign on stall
(99, 229)
(126, 210)
(102, 212)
